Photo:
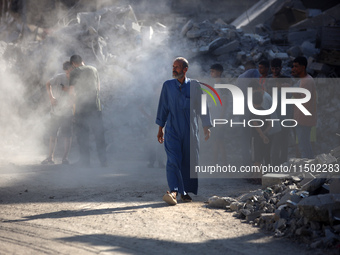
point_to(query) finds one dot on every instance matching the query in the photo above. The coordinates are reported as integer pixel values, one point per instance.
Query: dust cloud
(132, 66)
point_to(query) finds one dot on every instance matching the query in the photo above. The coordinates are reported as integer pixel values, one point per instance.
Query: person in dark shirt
(259, 134)
(84, 88)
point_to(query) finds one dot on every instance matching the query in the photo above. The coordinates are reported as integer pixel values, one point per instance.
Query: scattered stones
(220, 202)
(295, 206)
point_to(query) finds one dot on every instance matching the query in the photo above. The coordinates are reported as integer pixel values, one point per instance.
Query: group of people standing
(75, 103)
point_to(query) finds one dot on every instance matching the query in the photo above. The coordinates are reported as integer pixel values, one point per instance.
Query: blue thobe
(178, 110)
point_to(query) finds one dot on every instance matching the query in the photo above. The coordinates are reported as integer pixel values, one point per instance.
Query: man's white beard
(178, 76)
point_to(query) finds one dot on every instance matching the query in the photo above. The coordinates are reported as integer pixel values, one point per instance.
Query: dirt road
(119, 210)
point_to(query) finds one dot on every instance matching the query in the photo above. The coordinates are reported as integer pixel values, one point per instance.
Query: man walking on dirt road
(178, 110)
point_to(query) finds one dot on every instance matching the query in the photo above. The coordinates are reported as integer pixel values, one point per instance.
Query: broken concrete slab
(321, 20)
(320, 207)
(257, 14)
(307, 177)
(336, 152)
(246, 196)
(267, 216)
(187, 27)
(272, 179)
(227, 48)
(314, 184)
(326, 159)
(291, 196)
(227, 32)
(218, 42)
(252, 216)
(194, 33)
(220, 202)
(236, 206)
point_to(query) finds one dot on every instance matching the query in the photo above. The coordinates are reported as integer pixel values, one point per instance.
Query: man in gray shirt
(84, 89)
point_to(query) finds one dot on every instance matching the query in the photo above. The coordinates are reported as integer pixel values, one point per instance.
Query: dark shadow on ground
(243, 245)
(85, 212)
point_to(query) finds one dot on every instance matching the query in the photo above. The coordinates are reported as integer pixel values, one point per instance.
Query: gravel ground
(119, 210)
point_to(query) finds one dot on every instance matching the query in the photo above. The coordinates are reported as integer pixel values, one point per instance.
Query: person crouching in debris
(61, 113)
(84, 88)
(178, 110)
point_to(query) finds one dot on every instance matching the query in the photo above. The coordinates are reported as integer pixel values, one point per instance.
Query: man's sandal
(170, 198)
(186, 198)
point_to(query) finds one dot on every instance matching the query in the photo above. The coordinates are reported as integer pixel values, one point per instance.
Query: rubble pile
(230, 46)
(219, 42)
(304, 206)
(233, 47)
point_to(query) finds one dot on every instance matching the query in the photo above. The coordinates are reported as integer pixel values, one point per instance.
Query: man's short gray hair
(183, 60)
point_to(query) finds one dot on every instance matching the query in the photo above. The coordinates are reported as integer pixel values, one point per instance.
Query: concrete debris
(304, 206)
(326, 159)
(224, 42)
(313, 185)
(258, 13)
(220, 202)
(326, 17)
(272, 179)
(336, 152)
(187, 27)
(319, 208)
(230, 47)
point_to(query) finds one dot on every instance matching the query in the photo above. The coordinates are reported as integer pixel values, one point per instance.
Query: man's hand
(160, 135)
(206, 133)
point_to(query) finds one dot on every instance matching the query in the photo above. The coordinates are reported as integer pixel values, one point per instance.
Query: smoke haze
(132, 66)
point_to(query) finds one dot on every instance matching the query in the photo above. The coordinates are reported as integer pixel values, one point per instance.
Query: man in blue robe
(178, 111)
